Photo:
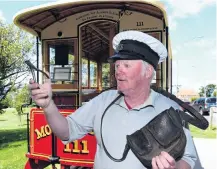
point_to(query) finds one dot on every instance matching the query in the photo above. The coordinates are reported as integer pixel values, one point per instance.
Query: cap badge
(119, 47)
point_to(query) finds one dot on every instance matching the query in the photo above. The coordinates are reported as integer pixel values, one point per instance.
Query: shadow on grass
(11, 135)
(8, 145)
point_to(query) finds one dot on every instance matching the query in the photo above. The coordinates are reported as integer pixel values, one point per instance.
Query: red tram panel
(77, 153)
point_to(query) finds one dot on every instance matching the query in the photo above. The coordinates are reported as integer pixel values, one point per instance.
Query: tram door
(95, 46)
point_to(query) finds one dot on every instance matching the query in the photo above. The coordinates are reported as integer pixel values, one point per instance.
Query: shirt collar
(149, 101)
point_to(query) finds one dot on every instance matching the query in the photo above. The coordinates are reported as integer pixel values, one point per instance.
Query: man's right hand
(41, 94)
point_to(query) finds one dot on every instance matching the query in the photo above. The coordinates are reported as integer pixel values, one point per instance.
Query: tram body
(75, 40)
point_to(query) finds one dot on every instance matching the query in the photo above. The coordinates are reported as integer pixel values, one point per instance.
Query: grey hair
(145, 67)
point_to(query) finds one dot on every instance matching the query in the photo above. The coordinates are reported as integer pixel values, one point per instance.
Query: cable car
(74, 41)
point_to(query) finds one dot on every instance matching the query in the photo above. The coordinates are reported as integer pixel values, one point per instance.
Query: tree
(21, 98)
(214, 93)
(15, 46)
(18, 97)
(209, 90)
(193, 99)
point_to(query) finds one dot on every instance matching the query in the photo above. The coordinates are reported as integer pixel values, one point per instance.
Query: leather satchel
(163, 133)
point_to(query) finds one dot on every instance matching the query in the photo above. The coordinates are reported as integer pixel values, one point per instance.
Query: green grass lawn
(198, 133)
(12, 155)
(13, 144)
(11, 120)
(12, 147)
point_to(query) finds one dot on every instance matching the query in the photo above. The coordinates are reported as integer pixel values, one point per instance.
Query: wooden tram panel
(77, 153)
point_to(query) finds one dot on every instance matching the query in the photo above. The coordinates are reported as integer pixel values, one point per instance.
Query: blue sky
(192, 27)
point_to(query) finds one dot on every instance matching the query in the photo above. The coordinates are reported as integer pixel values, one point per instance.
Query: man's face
(129, 75)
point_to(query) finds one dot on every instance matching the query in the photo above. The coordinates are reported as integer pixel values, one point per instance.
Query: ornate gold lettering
(47, 130)
(75, 147)
(41, 133)
(84, 147)
(67, 148)
(44, 131)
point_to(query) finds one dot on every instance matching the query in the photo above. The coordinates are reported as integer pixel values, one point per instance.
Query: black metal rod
(54, 158)
(161, 74)
(53, 145)
(27, 132)
(37, 54)
(167, 60)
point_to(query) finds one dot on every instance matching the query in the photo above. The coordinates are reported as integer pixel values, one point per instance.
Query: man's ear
(149, 71)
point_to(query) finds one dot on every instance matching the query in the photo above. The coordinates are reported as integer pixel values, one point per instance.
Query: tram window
(56, 49)
(105, 75)
(52, 62)
(61, 55)
(52, 56)
(84, 72)
(93, 74)
(72, 65)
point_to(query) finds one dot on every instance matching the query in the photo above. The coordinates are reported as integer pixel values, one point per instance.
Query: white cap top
(152, 42)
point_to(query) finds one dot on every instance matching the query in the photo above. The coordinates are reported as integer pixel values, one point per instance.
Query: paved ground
(207, 151)
(214, 119)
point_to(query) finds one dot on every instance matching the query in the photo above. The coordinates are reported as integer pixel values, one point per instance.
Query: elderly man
(136, 59)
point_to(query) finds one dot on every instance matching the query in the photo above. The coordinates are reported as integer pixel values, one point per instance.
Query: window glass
(211, 100)
(84, 72)
(105, 75)
(61, 54)
(93, 74)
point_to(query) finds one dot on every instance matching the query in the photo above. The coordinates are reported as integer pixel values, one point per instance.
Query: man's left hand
(163, 161)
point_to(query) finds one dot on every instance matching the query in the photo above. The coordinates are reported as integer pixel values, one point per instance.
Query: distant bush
(194, 98)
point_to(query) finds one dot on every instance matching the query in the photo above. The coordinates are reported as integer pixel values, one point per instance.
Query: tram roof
(35, 19)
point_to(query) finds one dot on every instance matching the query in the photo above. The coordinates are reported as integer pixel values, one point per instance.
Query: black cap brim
(116, 57)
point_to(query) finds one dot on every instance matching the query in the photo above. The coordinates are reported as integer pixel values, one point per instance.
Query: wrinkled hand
(163, 161)
(41, 94)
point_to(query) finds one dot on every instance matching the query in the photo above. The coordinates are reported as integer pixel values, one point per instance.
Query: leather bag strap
(193, 118)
